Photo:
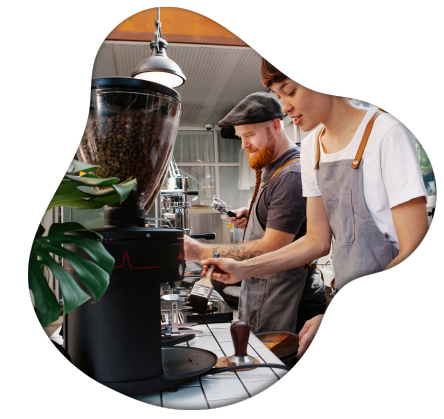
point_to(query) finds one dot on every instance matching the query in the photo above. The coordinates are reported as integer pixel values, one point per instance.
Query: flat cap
(254, 109)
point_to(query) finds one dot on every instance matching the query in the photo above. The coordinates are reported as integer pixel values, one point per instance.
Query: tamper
(240, 332)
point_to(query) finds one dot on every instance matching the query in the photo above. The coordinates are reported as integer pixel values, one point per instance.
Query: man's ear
(276, 125)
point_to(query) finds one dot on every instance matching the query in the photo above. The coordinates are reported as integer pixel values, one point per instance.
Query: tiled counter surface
(213, 391)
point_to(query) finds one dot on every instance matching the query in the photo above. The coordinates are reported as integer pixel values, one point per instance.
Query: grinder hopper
(131, 131)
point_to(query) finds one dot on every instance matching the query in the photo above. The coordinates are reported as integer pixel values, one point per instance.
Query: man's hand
(194, 250)
(307, 333)
(227, 270)
(239, 222)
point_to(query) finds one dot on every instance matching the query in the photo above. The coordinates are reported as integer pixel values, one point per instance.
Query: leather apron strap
(360, 152)
(277, 171)
(368, 130)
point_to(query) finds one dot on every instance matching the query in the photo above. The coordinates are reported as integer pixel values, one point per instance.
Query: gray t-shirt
(282, 207)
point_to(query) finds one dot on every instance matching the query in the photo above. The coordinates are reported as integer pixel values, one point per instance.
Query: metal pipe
(174, 165)
(184, 185)
(157, 209)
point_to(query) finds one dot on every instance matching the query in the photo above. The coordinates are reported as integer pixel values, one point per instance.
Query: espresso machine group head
(172, 204)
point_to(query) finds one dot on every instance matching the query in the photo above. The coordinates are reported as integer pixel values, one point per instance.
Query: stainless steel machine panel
(211, 222)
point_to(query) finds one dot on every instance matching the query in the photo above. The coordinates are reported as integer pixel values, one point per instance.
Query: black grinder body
(117, 340)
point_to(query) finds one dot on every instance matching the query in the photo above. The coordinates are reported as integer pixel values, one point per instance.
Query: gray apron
(270, 302)
(360, 247)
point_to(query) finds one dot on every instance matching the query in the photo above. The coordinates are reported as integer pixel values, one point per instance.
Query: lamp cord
(158, 33)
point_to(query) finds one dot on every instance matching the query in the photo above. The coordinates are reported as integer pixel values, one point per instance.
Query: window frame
(216, 163)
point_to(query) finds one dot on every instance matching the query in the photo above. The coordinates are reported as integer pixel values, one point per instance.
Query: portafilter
(221, 206)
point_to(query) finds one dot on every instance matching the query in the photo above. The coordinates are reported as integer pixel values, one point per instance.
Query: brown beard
(264, 156)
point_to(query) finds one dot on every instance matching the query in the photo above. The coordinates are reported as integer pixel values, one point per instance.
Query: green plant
(424, 161)
(76, 192)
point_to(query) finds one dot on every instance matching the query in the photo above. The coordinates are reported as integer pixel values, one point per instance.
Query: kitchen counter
(213, 391)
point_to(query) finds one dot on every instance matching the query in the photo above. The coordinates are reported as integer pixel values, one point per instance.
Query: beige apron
(270, 302)
(360, 247)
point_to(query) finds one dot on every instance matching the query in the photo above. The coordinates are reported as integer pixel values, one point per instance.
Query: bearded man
(276, 217)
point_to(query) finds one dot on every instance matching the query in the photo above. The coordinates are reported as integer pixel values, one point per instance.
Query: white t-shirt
(391, 173)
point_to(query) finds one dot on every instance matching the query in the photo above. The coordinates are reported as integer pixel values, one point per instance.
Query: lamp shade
(158, 68)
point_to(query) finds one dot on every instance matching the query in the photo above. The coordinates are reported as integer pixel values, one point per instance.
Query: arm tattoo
(238, 251)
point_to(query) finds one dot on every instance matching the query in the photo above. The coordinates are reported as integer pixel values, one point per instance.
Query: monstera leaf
(81, 192)
(79, 189)
(94, 274)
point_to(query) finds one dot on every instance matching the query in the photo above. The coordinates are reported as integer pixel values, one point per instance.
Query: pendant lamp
(158, 68)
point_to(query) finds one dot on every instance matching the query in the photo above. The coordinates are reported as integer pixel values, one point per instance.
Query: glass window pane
(229, 191)
(194, 147)
(427, 170)
(93, 218)
(203, 179)
(228, 149)
(361, 103)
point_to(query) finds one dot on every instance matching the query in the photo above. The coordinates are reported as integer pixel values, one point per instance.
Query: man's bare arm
(272, 240)
(243, 251)
(314, 244)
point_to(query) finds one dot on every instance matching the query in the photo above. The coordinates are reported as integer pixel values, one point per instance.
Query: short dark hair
(270, 74)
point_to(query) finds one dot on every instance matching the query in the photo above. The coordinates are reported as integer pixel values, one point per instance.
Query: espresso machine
(172, 206)
(131, 131)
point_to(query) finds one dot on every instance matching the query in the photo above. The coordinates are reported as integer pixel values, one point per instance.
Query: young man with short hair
(276, 218)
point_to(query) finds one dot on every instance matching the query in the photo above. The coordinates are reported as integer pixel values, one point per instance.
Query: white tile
(271, 358)
(257, 387)
(222, 335)
(194, 382)
(203, 328)
(255, 342)
(227, 347)
(214, 404)
(219, 326)
(215, 376)
(58, 340)
(268, 356)
(280, 373)
(151, 399)
(56, 334)
(257, 374)
(186, 398)
(182, 344)
(223, 386)
(204, 342)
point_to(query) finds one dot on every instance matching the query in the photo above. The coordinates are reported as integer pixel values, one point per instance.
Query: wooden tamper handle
(240, 333)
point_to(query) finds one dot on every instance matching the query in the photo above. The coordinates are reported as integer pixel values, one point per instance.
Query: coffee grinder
(131, 131)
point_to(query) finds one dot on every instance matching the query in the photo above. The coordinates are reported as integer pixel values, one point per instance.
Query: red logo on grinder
(125, 256)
